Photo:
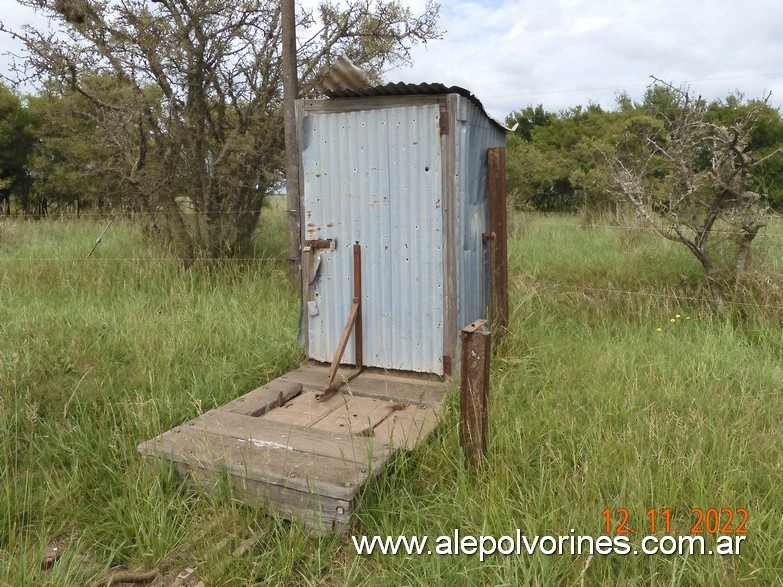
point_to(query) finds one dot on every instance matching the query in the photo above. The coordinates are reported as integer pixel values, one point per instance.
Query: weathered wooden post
(290, 94)
(496, 166)
(476, 349)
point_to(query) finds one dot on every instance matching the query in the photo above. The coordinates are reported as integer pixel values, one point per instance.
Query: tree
(765, 139)
(186, 96)
(547, 149)
(17, 138)
(690, 176)
(68, 161)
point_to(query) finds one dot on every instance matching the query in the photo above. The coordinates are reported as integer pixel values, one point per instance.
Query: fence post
(476, 351)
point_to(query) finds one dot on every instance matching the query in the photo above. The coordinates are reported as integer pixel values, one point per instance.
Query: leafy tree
(68, 162)
(528, 119)
(186, 97)
(689, 175)
(550, 154)
(547, 149)
(17, 138)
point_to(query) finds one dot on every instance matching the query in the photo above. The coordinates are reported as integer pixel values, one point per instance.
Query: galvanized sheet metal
(475, 134)
(374, 177)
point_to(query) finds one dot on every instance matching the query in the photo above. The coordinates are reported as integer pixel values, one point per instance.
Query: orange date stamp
(703, 521)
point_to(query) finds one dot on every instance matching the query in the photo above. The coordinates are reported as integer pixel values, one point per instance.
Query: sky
(560, 53)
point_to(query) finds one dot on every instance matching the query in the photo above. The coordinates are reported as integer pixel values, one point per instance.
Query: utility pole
(290, 94)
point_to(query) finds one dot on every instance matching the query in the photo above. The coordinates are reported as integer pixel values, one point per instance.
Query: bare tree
(690, 178)
(186, 96)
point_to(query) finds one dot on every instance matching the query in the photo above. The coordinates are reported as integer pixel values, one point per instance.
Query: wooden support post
(474, 391)
(290, 94)
(498, 227)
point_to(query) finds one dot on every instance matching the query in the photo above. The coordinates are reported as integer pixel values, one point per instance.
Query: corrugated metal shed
(400, 169)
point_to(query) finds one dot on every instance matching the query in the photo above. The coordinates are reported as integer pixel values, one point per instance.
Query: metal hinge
(324, 243)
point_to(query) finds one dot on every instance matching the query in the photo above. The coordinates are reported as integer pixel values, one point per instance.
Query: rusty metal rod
(354, 324)
(357, 299)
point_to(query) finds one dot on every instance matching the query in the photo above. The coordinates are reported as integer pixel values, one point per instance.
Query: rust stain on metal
(437, 204)
(444, 123)
(319, 244)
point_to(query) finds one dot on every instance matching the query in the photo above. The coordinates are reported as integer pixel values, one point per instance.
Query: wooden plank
(405, 428)
(496, 163)
(304, 410)
(362, 451)
(415, 377)
(258, 461)
(358, 414)
(313, 375)
(321, 513)
(398, 390)
(263, 399)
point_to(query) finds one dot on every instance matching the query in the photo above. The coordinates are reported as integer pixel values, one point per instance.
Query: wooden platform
(306, 458)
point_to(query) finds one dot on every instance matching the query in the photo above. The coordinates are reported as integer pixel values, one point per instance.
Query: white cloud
(511, 53)
(566, 52)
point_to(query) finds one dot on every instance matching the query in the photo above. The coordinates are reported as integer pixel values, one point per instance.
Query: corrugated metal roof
(408, 89)
(343, 75)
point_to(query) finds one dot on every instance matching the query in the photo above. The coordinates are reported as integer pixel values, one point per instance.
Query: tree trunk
(179, 232)
(741, 263)
(716, 288)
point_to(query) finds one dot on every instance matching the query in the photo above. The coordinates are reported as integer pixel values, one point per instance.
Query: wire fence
(648, 229)
(266, 259)
(127, 214)
(174, 260)
(676, 296)
(561, 288)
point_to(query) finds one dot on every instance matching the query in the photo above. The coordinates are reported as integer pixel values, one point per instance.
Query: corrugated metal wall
(374, 177)
(475, 134)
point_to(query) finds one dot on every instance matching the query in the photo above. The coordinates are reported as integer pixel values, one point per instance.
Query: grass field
(592, 407)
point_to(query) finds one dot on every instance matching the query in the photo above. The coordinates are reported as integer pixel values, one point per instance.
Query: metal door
(374, 177)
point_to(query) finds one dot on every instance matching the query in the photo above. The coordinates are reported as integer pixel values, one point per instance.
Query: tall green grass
(591, 408)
